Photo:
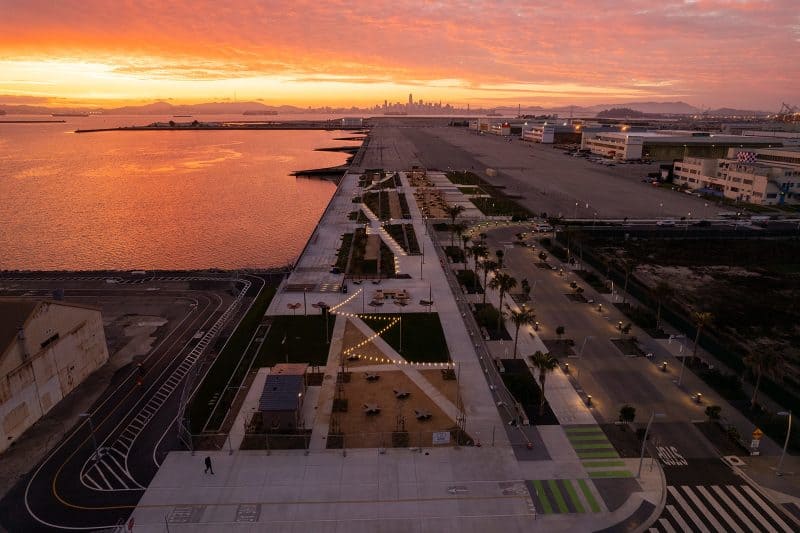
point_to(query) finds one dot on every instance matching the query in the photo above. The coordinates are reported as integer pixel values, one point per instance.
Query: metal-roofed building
(47, 348)
(281, 402)
(665, 145)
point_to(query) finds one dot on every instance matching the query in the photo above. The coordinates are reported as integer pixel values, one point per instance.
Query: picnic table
(353, 357)
(371, 409)
(401, 394)
(371, 376)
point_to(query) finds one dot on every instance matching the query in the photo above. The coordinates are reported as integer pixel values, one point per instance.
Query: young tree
(502, 282)
(500, 254)
(701, 319)
(713, 412)
(662, 292)
(560, 331)
(520, 318)
(764, 361)
(543, 256)
(544, 363)
(629, 265)
(526, 288)
(487, 266)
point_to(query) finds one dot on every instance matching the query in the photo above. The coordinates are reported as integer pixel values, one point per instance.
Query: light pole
(580, 353)
(785, 443)
(96, 455)
(683, 357)
(575, 212)
(644, 441)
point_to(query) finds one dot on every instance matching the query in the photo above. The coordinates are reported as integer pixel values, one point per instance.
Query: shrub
(627, 413)
(713, 412)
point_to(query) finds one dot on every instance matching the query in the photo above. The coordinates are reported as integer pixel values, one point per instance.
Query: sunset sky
(710, 53)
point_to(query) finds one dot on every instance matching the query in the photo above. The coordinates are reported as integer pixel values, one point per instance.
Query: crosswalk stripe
(689, 511)
(702, 508)
(719, 508)
(731, 505)
(753, 512)
(679, 519)
(767, 509)
(666, 525)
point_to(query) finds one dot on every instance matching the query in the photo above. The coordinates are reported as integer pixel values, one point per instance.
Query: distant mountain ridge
(237, 108)
(159, 108)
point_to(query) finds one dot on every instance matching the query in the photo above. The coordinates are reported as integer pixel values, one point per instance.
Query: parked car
(667, 222)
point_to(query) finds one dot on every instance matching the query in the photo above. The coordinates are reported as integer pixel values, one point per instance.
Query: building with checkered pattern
(757, 176)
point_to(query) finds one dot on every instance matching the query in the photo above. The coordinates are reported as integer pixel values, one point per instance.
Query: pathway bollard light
(664, 366)
(589, 400)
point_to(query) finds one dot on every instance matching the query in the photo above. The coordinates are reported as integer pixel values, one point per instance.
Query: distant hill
(157, 108)
(727, 112)
(622, 112)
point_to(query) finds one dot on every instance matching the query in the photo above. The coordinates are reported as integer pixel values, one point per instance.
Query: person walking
(208, 466)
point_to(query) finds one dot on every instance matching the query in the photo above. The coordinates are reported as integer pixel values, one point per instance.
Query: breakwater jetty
(329, 125)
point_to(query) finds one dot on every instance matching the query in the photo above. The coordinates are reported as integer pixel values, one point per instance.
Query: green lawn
(423, 338)
(301, 338)
(226, 361)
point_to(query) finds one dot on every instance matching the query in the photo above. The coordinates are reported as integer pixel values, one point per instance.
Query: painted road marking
(732, 506)
(720, 509)
(702, 508)
(679, 519)
(684, 505)
(669, 456)
(767, 509)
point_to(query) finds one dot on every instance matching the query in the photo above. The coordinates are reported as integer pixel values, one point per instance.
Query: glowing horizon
(708, 53)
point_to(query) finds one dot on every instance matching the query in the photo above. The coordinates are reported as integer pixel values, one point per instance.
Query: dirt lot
(374, 431)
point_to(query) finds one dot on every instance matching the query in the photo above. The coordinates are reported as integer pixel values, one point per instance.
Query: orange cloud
(742, 53)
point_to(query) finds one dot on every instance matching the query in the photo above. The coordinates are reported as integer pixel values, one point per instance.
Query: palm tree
(545, 363)
(478, 251)
(453, 211)
(701, 320)
(521, 318)
(487, 266)
(502, 282)
(662, 291)
(761, 361)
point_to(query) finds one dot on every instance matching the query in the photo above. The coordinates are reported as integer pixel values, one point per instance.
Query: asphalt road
(70, 488)
(598, 367)
(703, 492)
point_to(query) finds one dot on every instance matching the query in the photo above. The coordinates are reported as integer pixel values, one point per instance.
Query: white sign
(754, 443)
(441, 437)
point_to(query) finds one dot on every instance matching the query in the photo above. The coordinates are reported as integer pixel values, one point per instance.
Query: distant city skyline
(708, 53)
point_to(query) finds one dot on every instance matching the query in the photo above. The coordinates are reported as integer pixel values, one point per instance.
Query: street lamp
(96, 455)
(785, 443)
(580, 354)
(644, 441)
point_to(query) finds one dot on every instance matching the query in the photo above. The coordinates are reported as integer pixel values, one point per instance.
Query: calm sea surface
(157, 200)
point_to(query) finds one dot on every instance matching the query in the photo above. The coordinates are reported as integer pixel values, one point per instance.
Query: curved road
(73, 488)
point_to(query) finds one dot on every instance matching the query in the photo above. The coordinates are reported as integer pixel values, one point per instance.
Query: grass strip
(598, 455)
(587, 493)
(542, 495)
(610, 473)
(576, 502)
(562, 505)
(580, 438)
(599, 445)
(584, 429)
(602, 464)
(225, 363)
